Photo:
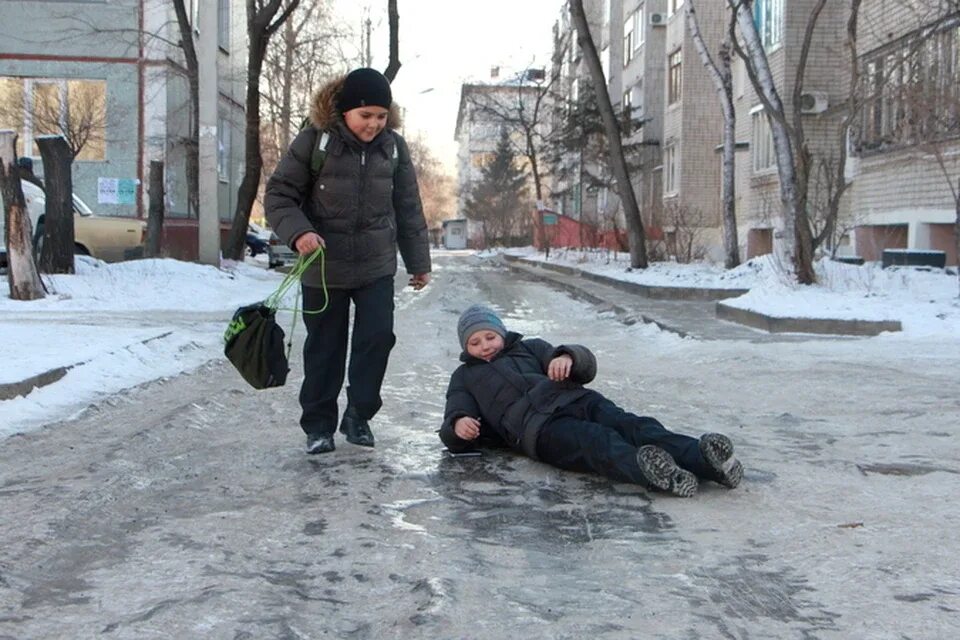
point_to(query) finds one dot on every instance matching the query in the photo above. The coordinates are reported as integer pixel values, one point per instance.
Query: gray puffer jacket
(360, 205)
(512, 395)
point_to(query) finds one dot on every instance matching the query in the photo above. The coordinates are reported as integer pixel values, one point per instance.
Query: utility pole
(209, 215)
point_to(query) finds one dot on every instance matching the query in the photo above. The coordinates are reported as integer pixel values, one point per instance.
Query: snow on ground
(119, 325)
(925, 301)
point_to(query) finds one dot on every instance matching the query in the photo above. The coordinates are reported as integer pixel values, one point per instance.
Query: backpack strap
(319, 154)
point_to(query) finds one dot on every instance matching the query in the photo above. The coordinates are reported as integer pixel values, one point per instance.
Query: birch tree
(635, 231)
(790, 246)
(722, 79)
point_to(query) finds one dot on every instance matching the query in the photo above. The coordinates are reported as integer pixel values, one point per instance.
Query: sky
(444, 44)
(121, 325)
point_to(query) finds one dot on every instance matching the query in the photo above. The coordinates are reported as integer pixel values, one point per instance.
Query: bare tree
(79, 114)
(635, 231)
(723, 82)
(523, 113)
(393, 17)
(684, 239)
(437, 188)
(790, 248)
(192, 142)
(264, 18)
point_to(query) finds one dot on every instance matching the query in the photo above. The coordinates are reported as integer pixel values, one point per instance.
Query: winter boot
(319, 443)
(717, 450)
(662, 472)
(356, 428)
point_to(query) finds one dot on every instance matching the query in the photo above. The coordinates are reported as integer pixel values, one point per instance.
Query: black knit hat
(364, 88)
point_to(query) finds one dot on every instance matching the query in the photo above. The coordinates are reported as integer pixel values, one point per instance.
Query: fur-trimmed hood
(323, 109)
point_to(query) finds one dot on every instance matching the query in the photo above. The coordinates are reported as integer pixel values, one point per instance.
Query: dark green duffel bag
(255, 346)
(254, 342)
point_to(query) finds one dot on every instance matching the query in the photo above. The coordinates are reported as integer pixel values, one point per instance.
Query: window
(670, 173)
(911, 91)
(75, 109)
(674, 6)
(628, 40)
(606, 17)
(223, 24)
(768, 16)
(632, 107)
(482, 159)
(626, 114)
(636, 99)
(639, 32)
(674, 76)
(224, 141)
(761, 141)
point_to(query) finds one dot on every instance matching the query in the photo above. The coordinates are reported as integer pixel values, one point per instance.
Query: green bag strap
(293, 278)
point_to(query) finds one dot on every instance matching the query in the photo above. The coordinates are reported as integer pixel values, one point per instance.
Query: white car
(279, 254)
(108, 238)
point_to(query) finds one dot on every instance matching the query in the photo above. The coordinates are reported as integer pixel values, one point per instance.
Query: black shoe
(319, 443)
(662, 472)
(717, 450)
(356, 429)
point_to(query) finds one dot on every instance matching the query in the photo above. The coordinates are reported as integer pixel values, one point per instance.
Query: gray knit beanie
(477, 318)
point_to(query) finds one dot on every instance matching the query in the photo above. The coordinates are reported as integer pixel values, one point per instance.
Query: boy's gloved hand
(467, 428)
(559, 368)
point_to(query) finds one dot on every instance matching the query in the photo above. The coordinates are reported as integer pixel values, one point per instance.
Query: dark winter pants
(595, 435)
(325, 352)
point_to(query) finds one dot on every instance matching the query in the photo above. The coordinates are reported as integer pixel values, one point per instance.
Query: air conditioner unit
(658, 19)
(813, 102)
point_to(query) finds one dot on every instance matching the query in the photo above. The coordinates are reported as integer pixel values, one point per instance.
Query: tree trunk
(785, 244)
(56, 255)
(155, 217)
(393, 16)
(22, 273)
(286, 88)
(259, 30)
(635, 231)
(192, 144)
(723, 82)
(956, 231)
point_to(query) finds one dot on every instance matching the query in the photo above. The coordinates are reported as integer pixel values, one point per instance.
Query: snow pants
(595, 435)
(325, 352)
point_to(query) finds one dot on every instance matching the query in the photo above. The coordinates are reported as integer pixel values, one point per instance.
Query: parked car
(108, 238)
(279, 254)
(256, 245)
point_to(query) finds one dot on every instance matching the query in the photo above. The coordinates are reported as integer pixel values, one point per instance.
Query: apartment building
(692, 130)
(781, 27)
(120, 59)
(484, 111)
(906, 143)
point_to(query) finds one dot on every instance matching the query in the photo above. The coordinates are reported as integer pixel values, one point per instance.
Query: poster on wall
(117, 190)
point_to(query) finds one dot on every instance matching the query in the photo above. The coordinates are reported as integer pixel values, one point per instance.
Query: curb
(753, 319)
(645, 290)
(774, 324)
(10, 390)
